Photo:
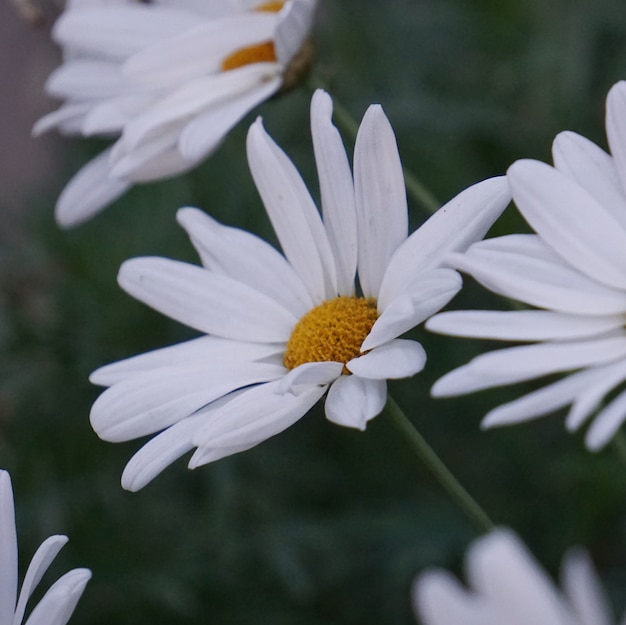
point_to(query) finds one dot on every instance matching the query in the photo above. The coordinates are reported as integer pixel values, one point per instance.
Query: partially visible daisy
(574, 269)
(282, 331)
(170, 79)
(507, 586)
(57, 605)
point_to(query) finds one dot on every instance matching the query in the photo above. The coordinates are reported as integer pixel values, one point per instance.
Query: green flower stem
(619, 444)
(415, 188)
(439, 470)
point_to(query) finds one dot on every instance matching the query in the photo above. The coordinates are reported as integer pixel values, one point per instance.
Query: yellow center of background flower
(257, 53)
(332, 331)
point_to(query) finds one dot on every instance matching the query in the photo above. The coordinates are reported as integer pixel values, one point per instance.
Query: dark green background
(320, 524)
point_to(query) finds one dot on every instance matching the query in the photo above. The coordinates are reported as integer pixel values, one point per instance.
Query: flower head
(169, 82)
(508, 586)
(574, 268)
(57, 605)
(284, 330)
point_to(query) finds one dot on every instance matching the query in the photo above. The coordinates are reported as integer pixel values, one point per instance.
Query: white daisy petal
(462, 221)
(152, 401)
(246, 258)
(593, 169)
(397, 359)
(337, 190)
(558, 209)
(352, 401)
(507, 585)
(58, 603)
(310, 373)
(158, 453)
(206, 301)
(523, 268)
(378, 181)
(540, 402)
(300, 232)
(616, 128)
(516, 364)
(606, 423)
(599, 382)
(42, 559)
(521, 325)
(8, 550)
(88, 192)
(581, 584)
(204, 349)
(430, 292)
(294, 24)
(256, 415)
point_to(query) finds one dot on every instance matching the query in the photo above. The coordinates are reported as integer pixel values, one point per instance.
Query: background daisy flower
(284, 330)
(574, 268)
(170, 80)
(57, 605)
(507, 585)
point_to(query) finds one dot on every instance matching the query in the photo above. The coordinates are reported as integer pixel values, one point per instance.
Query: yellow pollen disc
(332, 331)
(270, 7)
(258, 53)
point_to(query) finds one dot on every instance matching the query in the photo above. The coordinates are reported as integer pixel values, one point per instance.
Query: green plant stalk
(437, 468)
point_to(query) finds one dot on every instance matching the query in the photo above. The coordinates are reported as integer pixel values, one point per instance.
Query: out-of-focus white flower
(170, 79)
(575, 269)
(508, 587)
(284, 330)
(57, 605)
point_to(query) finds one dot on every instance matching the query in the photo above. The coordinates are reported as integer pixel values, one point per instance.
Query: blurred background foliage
(320, 524)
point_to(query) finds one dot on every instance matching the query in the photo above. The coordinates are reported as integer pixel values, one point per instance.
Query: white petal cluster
(507, 586)
(574, 269)
(151, 75)
(229, 390)
(58, 603)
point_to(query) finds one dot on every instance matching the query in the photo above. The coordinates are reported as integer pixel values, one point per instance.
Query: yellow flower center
(257, 53)
(332, 331)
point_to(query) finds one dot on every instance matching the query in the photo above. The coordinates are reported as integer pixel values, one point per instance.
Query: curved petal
(245, 258)
(352, 401)
(382, 218)
(593, 169)
(606, 423)
(524, 268)
(571, 221)
(399, 358)
(310, 373)
(293, 214)
(42, 559)
(337, 191)
(294, 24)
(57, 605)
(459, 223)
(521, 325)
(616, 127)
(152, 401)
(88, 192)
(202, 350)
(430, 292)
(206, 301)
(8, 549)
(255, 415)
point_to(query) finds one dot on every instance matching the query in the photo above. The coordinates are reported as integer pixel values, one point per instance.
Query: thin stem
(415, 188)
(619, 444)
(438, 469)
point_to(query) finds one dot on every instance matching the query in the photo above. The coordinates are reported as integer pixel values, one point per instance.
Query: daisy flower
(284, 330)
(574, 269)
(507, 585)
(57, 605)
(169, 79)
